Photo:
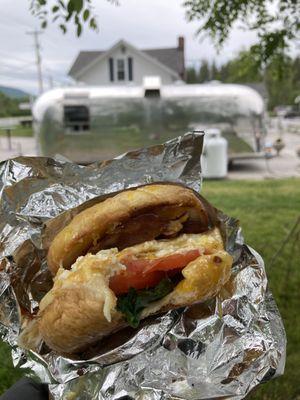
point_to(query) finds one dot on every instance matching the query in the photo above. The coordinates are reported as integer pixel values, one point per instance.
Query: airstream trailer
(85, 124)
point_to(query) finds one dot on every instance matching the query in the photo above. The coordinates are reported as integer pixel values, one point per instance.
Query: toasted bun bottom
(80, 309)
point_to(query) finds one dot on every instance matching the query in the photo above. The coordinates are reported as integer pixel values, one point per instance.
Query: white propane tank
(214, 160)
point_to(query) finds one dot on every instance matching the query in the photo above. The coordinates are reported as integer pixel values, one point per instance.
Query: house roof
(83, 58)
(169, 57)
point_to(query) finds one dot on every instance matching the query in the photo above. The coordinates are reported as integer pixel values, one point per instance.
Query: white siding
(98, 74)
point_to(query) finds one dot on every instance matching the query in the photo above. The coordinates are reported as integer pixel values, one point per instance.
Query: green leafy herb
(132, 303)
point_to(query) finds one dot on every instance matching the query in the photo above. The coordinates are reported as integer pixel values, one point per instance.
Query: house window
(130, 69)
(121, 69)
(111, 69)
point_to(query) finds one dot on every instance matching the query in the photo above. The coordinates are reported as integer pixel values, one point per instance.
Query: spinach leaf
(132, 303)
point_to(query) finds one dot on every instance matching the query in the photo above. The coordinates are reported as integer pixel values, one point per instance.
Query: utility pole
(36, 34)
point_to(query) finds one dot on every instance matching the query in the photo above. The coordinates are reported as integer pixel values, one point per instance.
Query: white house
(124, 64)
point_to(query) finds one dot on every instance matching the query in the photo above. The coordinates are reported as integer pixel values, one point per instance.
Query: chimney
(181, 43)
(181, 64)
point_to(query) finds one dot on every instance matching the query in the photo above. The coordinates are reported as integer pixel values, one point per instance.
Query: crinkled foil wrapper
(222, 348)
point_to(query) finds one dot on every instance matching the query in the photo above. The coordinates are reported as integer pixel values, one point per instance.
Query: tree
(281, 76)
(279, 81)
(62, 12)
(191, 75)
(204, 72)
(214, 72)
(243, 69)
(9, 107)
(223, 72)
(276, 22)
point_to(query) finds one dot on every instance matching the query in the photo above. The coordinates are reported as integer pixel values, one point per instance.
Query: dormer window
(120, 69)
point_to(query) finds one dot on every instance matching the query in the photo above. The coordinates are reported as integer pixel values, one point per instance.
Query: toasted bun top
(128, 218)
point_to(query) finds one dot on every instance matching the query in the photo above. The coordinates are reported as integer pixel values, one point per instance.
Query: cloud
(144, 23)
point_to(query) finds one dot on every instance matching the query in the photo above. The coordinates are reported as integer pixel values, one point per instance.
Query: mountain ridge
(13, 93)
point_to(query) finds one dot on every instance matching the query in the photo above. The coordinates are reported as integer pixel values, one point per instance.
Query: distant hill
(13, 93)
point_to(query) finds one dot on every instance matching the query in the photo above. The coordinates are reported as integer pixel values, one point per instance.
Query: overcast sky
(144, 23)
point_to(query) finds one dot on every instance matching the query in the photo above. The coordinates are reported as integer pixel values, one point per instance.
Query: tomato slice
(143, 273)
(174, 261)
(127, 279)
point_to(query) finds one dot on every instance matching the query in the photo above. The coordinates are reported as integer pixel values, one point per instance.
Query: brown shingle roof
(169, 57)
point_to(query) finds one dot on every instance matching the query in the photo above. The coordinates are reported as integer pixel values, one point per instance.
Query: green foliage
(243, 68)
(79, 12)
(132, 303)
(204, 72)
(276, 22)
(214, 72)
(191, 75)
(9, 107)
(280, 81)
(8, 374)
(281, 76)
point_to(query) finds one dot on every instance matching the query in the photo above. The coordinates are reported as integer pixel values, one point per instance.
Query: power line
(37, 46)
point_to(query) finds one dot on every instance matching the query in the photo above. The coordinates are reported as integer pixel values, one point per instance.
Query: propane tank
(214, 160)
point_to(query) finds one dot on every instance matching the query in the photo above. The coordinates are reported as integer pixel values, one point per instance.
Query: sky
(143, 23)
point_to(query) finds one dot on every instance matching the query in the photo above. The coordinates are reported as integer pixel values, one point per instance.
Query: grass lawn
(19, 131)
(267, 211)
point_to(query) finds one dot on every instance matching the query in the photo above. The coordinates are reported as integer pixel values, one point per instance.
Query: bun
(80, 308)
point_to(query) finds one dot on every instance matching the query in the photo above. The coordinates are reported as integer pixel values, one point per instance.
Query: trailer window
(76, 118)
(152, 93)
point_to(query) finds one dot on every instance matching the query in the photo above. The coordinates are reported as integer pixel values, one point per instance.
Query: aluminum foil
(222, 348)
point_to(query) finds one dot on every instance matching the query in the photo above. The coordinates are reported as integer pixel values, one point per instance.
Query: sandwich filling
(153, 269)
(140, 275)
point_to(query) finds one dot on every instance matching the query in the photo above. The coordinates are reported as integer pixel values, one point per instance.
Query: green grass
(267, 211)
(19, 131)
(8, 374)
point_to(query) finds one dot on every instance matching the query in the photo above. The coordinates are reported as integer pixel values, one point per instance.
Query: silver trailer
(85, 124)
